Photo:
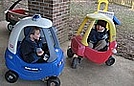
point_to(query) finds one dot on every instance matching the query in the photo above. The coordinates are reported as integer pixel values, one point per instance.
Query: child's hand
(40, 52)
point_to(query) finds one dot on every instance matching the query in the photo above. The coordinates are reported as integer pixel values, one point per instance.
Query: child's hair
(34, 29)
(102, 23)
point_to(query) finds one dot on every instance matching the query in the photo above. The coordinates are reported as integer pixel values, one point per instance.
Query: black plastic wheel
(75, 62)
(11, 76)
(10, 27)
(110, 61)
(53, 81)
(70, 53)
(80, 59)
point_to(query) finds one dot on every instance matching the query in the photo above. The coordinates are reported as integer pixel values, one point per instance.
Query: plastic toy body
(36, 71)
(79, 45)
(49, 70)
(93, 55)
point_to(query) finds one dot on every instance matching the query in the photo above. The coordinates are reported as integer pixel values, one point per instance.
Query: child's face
(100, 28)
(36, 35)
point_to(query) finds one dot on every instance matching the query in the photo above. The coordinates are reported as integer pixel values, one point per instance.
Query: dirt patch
(125, 32)
(125, 40)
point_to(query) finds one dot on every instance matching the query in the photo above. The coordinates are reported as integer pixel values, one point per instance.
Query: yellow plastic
(99, 4)
(82, 25)
(85, 37)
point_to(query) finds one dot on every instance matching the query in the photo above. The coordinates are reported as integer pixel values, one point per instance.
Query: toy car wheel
(11, 76)
(110, 61)
(70, 53)
(79, 59)
(53, 81)
(75, 62)
(10, 27)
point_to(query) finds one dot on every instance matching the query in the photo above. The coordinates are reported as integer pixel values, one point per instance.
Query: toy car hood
(36, 20)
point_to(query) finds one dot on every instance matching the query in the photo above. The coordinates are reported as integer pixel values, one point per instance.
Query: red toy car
(79, 45)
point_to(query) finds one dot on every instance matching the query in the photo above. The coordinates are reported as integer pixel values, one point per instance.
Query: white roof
(28, 21)
(100, 16)
(109, 14)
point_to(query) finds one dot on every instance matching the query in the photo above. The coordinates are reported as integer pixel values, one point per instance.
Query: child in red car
(98, 37)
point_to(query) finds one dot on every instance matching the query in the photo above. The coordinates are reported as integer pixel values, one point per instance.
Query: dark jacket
(28, 50)
(95, 36)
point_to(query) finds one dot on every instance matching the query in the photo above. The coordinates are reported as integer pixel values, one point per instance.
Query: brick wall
(55, 10)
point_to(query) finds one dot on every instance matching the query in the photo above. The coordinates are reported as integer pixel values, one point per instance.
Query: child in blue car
(31, 47)
(98, 37)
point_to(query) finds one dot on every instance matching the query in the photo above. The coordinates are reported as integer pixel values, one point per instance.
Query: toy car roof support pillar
(84, 41)
(81, 26)
(55, 37)
(50, 46)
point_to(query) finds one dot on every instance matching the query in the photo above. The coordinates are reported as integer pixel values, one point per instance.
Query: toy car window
(43, 37)
(51, 36)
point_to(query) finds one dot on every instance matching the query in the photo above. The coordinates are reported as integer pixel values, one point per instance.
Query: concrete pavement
(87, 74)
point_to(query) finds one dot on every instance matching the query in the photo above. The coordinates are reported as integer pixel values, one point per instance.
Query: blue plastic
(34, 71)
(36, 17)
(37, 71)
(116, 21)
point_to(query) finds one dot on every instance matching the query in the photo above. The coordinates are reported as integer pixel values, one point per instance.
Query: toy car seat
(27, 31)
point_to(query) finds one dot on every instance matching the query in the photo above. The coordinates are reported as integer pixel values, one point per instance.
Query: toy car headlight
(11, 57)
(115, 45)
(114, 50)
(56, 50)
(60, 62)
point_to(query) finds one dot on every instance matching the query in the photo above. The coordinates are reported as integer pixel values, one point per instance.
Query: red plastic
(20, 11)
(96, 56)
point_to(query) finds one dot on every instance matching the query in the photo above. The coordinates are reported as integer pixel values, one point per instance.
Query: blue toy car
(18, 68)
